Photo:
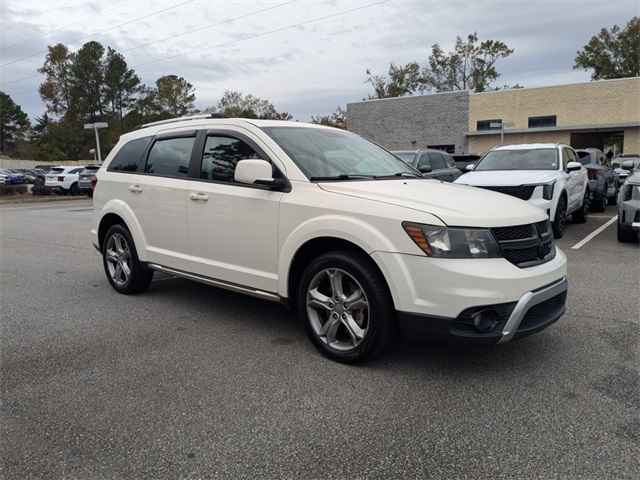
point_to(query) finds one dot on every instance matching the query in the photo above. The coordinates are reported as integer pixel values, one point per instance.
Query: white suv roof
(530, 146)
(202, 121)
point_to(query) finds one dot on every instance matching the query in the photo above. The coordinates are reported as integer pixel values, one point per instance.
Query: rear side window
(437, 161)
(221, 154)
(170, 157)
(56, 170)
(424, 161)
(130, 158)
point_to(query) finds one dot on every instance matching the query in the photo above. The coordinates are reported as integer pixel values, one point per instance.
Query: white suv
(63, 179)
(320, 219)
(547, 175)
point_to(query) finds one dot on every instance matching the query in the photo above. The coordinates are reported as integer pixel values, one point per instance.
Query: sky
(306, 56)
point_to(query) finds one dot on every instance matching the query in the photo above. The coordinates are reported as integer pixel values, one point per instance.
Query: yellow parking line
(597, 231)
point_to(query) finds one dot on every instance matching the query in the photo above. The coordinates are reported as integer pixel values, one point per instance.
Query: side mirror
(573, 166)
(425, 168)
(470, 167)
(254, 172)
(257, 172)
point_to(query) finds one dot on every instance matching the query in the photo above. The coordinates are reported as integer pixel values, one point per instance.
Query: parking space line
(597, 231)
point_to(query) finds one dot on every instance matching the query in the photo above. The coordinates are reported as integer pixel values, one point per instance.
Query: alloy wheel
(338, 309)
(118, 256)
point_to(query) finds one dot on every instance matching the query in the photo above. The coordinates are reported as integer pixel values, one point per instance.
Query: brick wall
(413, 122)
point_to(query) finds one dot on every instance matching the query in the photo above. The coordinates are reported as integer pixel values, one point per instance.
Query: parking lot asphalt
(187, 381)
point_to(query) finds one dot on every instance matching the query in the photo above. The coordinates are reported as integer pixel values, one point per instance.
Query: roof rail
(182, 119)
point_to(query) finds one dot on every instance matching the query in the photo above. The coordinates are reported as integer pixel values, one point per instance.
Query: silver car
(629, 209)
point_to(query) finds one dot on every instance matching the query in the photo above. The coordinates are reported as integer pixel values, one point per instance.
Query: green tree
(613, 53)
(55, 90)
(337, 119)
(235, 104)
(121, 84)
(174, 96)
(401, 80)
(87, 76)
(13, 123)
(470, 66)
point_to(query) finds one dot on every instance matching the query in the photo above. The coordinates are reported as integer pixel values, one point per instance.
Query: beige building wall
(592, 103)
(632, 140)
(482, 143)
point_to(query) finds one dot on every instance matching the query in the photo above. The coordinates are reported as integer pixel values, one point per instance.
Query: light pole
(95, 126)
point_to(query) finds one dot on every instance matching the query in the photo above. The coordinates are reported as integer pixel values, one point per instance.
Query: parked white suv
(340, 229)
(547, 175)
(63, 179)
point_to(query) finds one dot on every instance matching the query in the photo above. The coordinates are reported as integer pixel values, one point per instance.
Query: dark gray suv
(432, 163)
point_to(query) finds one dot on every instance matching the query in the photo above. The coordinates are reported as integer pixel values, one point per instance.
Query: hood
(455, 205)
(501, 178)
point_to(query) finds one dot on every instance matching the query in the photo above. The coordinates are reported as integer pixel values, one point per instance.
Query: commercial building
(602, 114)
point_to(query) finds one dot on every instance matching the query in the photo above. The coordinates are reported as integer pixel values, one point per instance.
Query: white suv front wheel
(346, 307)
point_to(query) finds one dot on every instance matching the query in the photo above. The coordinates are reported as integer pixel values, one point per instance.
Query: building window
(444, 148)
(539, 122)
(495, 124)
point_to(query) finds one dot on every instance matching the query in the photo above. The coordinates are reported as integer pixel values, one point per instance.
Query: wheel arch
(117, 212)
(315, 247)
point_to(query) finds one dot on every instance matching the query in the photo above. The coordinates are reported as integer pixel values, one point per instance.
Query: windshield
(406, 156)
(525, 159)
(56, 170)
(326, 153)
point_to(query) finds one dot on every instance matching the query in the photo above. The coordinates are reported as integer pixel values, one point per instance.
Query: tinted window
(437, 161)
(520, 159)
(221, 154)
(130, 158)
(77, 170)
(489, 124)
(424, 161)
(538, 122)
(56, 170)
(170, 157)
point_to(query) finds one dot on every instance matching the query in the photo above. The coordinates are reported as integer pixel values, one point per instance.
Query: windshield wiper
(342, 176)
(401, 174)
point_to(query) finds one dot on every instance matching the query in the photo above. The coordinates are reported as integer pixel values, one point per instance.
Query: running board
(217, 283)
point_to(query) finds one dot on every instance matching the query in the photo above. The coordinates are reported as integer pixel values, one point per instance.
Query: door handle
(135, 189)
(199, 197)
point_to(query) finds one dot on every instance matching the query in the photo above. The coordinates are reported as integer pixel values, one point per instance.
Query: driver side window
(424, 161)
(221, 154)
(568, 156)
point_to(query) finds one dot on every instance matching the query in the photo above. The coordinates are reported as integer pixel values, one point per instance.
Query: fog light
(485, 321)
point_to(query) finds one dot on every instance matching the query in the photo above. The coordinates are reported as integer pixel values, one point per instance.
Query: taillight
(94, 182)
(593, 174)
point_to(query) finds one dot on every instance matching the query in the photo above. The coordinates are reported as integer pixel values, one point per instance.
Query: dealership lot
(187, 381)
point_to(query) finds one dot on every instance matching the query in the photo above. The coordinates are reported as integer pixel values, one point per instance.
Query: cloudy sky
(306, 56)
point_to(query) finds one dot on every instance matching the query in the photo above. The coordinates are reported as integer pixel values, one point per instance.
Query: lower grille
(523, 192)
(544, 312)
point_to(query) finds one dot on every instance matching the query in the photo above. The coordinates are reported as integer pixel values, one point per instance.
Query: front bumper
(533, 312)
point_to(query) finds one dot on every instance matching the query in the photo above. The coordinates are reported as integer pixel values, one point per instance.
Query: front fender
(353, 230)
(120, 208)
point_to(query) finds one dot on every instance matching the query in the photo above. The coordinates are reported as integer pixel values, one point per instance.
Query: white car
(351, 237)
(63, 179)
(546, 175)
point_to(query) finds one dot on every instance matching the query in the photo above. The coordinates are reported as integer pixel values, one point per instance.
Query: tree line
(95, 83)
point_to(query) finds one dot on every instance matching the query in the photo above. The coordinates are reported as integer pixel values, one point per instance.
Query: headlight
(547, 190)
(446, 242)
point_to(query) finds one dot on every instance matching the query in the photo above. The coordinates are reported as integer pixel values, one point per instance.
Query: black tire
(560, 220)
(380, 321)
(600, 203)
(140, 275)
(90, 193)
(580, 215)
(614, 200)
(74, 190)
(626, 234)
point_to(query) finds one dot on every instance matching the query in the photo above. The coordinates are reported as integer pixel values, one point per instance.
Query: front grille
(523, 192)
(526, 245)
